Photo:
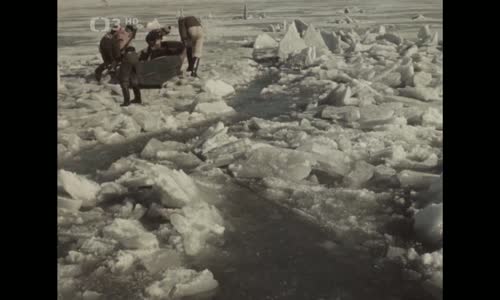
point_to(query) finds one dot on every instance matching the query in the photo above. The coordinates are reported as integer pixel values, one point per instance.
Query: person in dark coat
(109, 56)
(154, 37)
(192, 36)
(129, 76)
(154, 41)
(129, 72)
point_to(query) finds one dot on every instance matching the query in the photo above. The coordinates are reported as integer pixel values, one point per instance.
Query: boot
(196, 63)
(137, 96)
(126, 96)
(189, 52)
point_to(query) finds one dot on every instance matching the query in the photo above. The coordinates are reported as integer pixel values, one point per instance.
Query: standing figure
(109, 56)
(192, 36)
(129, 71)
(153, 39)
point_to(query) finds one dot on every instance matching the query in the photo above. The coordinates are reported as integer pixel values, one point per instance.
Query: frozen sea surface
(267, 252)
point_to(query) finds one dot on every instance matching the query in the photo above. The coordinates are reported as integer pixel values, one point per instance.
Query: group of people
(123, 61)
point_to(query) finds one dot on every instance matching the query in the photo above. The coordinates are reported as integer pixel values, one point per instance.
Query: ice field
(304, 163)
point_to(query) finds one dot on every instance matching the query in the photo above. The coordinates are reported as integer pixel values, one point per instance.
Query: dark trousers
(127, 82)
(189, 52)
(100, 69)
(128, 76)
(107, 61)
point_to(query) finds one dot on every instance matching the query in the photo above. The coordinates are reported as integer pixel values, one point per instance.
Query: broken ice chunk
(421, 93)
(341, 96)
(131, 234)
(361, 173)
(384, 51)
(110, 191)
(62, 152)
(122, 124)
(106, 137)
(291, 42)
(218, 88)
(432, 118)
(265, 41)
(313, 38)
(176, 188)
(407, 72)
(122, 263)
(154, 146)
(332, 41)
(98, 246)
(369, 38)
(373, 115)
(409, 52)
(416, 180)
(229, 152)
(358, 47)
(334, 163)
(69, 270)
(160, 260)
(320, 145)
(310, 55)
(392, 79)
(178, 283)
(213, 137)
(138, 212)
(179, 159)
(381, 30)
(422, 79)
(124, 211)
(204, 282)
(303, 58)
(151, 121)
(434, 41)
(175, 158)
(275, 162)
(213, 108)
(69, 204)
(393, 38)
(79, 187)
(346, 113)
(71, 141)
(384, 175)
(118, 168)
(196, 223)
(424, 33)
(62, 123)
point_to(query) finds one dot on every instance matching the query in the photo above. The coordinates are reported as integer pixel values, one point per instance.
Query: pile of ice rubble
(90, 114)
(363, 151)
(361, 154)
(106, 239)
